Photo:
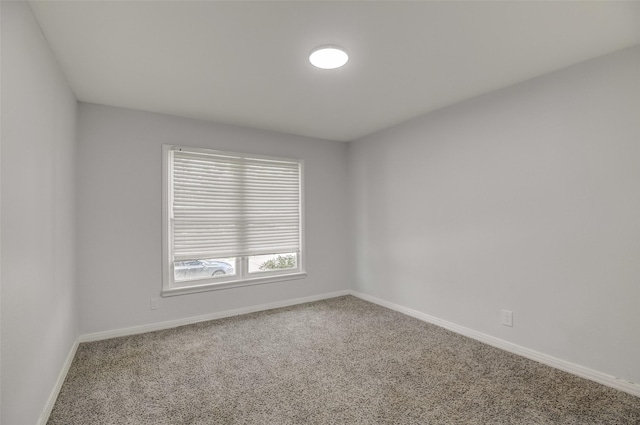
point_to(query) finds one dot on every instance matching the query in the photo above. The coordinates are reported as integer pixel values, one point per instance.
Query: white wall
(119, 216)
(525, 199)
(39, 315)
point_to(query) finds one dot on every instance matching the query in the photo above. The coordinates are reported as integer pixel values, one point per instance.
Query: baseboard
(575, 369)
(97, 336)
(46, 412)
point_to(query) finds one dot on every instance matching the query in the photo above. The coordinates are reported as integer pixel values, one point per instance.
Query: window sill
(209, 286)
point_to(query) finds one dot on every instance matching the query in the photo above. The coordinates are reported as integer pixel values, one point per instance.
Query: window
(229, 219)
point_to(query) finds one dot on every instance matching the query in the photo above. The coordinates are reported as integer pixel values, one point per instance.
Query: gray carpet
(338, 361)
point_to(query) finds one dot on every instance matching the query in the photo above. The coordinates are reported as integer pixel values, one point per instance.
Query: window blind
(226, 206)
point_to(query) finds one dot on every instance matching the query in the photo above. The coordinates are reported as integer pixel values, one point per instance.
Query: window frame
(242, 277)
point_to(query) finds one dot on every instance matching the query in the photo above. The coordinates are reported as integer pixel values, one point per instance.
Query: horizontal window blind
(227, 206)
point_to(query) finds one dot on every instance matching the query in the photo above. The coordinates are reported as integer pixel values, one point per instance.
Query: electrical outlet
(155, 303)
(507, 318)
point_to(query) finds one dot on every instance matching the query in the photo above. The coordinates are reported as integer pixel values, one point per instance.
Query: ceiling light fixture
(328, 57)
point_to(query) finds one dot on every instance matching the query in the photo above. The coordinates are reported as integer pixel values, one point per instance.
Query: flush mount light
(328, 57)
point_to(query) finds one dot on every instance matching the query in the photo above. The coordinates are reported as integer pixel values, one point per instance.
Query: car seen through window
(201, 269)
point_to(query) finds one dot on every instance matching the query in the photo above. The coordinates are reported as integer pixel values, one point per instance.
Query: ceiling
(246, 63)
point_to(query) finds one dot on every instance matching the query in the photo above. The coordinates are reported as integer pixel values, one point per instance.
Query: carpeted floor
(338, 361)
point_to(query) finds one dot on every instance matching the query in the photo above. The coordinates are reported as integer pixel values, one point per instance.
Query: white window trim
(170, 288)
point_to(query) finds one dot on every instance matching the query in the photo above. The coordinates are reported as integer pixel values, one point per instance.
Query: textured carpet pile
(338, 361)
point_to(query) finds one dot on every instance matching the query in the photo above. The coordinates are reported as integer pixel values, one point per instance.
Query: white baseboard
(575, 369)
(97, 336)
(46, 412)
